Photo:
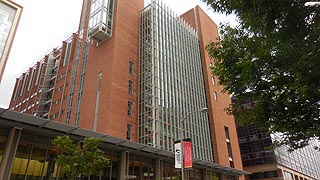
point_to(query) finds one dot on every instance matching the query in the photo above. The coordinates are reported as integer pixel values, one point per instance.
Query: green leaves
(272, 59)
(85, 159)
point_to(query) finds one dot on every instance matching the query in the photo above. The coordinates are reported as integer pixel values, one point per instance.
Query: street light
(203, 110)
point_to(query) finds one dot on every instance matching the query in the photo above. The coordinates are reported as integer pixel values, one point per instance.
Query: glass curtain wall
(35, 159)
(305, 160)
(171, 83)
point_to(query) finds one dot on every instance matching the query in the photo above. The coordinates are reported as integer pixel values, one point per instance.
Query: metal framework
(171, 82)
(101, 19)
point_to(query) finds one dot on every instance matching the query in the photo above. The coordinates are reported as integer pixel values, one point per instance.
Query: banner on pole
(187, 148)
(177, 155)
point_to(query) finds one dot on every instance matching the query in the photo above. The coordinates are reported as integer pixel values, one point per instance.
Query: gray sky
(44, 24)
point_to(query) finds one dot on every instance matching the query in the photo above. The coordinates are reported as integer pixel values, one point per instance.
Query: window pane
(130, 87)
(129, 127)
(215, 96)
(129, 108)
(226, 130)
(131, 64)
(213, 80)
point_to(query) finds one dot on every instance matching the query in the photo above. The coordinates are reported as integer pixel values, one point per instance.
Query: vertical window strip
(73, 82)
(96, 111)
(17, 89)
(67, 54)
(39, 73)
(23, 84)
(31, 79)
(229, 148)
(173, 62)
(82, 78)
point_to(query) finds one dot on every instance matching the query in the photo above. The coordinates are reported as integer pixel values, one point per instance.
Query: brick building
(134, 73)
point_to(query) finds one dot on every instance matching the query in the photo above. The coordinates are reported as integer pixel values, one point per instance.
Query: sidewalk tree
(273, 57)
(80, 161)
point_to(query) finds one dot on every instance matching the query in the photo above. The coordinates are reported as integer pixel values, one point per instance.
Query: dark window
(229, 150)
(226, 130)
(262, 175)
(130, 87)
(130, 108)
(131, 66)
(129, 127)
(231, 164)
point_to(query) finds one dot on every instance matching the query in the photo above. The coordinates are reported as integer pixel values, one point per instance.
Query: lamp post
(203, 110)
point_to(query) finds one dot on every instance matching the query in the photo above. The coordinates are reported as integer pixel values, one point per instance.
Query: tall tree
(80, 161)
(272, 57)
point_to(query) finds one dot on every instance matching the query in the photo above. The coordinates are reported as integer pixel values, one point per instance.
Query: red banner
(187, 151)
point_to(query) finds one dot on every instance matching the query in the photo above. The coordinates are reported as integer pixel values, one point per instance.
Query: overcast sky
(44, 24)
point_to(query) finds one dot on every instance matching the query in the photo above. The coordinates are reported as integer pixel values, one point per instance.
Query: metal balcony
(101, 19)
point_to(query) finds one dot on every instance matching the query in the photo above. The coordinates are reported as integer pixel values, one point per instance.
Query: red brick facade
(218, 118)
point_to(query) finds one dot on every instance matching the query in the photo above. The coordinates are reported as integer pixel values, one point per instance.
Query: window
(129, 127)
(131, 66)
(229, 151)
(130, 108)
(215, 96)
(96, 110)
(130, 87)
(38, 75)
(265, 174)
(231, 164)
(24, 78)
(99, 81)
(16, 92)
(226, 130)
(67, 54)
(31, 78)
(213, 80)
(288, 175)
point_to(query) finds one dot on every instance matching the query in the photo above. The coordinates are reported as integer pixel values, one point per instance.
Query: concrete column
(123, 165)
(205, 174)
(159, 169)
(222, 176)
(9, 153)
